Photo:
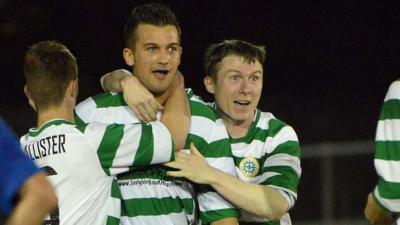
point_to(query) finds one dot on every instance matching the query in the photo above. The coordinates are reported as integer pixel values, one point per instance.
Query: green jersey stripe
(389, 205)
(209, 216)
(84, 183)
(112, 220)
(156, 206)
(109, 145)
(387, 157)
(215, 149)
(206, 132)
(34, 132)
(389, 190)
(387, 150)
(109, 99)
(275, 126)
(198, 109)
(289, 147)
(79, 122)
(287, 177)
(145, 150)
(269, 154)
(115, 192)
(391, 110)
(82, 127)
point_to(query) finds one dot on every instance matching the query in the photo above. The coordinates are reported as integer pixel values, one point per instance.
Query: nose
(163, 57)
(245, 87)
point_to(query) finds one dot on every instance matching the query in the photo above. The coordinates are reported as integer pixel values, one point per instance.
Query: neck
(162, 98)
(236, 128)
(55, 113)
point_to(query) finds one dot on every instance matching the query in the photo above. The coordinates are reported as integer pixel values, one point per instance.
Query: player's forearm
(226, 221)
(37, 199)
(115, 80)
(376, 215)
(176, 116)
(258, 199)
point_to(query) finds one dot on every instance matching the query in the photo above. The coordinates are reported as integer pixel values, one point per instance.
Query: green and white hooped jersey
(387, 155)
(151, 197)
(269, 154)
(82, 162)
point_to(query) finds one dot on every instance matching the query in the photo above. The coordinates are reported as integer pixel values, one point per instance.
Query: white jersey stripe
(144, 188)
(198, 123)
(170, 219)
(94, 134)
(284, 160)
(121, 115)
(214, 202)
(392, 204)
(263, 123)
(285, 134)
(257, 179)
(388, 130)
(225, 164)
(255, 149)
(161, 138)
(125, 156)
(393, 92)
(386, 168)
(85, 109)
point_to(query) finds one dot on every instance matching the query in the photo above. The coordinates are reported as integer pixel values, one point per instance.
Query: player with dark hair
(266, 150)
(153, 49)
(82, 161)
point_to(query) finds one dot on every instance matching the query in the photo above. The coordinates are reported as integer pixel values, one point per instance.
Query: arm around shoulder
(176, 114)
(112, 81)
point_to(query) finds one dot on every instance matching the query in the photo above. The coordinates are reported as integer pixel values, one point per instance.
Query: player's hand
(376, 215)
(192, 166)
(140, 100)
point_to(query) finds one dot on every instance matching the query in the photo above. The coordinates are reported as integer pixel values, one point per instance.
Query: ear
(180, 54)
(72, 89)
(129, 57)
(209, 83)
(180, 51)
(28, 95)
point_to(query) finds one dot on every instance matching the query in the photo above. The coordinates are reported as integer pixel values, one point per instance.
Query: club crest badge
(249, 167)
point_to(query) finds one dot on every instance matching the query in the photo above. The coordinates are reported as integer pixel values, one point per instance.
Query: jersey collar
(36, 131)
(248, 136)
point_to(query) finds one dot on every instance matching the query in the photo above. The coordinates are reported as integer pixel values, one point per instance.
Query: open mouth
(160, 72)
(242, 103)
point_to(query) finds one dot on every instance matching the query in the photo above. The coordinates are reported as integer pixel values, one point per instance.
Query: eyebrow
(237, 71)
(154, 44)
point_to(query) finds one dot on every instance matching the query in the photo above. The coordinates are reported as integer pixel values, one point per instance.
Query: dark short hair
(48, 68)
(155, 14)
(215, 53)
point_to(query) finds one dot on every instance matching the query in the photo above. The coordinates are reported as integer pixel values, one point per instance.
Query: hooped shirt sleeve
(387, 153)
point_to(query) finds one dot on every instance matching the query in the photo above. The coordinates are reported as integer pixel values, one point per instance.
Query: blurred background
(328, 68)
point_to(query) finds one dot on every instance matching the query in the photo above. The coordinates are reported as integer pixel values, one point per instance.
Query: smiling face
(237, 88)
(155, 57)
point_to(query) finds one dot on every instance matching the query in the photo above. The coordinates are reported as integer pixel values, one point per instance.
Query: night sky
(328, 68)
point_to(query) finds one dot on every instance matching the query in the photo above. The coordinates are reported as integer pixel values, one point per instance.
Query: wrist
(213, 176)
(127, 81)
